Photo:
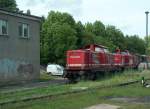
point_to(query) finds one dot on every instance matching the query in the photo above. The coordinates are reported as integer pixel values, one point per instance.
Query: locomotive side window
(98, 49)
(124, 53)
(106, 51)
(95, 58)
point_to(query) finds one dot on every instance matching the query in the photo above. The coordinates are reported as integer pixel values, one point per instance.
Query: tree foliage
(147, 44)
(59, 35)
(116, 36)
(80, 30)
(135, 44)
(8, 5)
(105, 42)
(99, 28)
(87, 38)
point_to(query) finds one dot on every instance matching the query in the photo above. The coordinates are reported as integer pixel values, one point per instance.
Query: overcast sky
(127, 15)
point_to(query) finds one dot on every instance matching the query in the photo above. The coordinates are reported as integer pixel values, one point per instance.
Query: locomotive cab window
(97, 49)
(23, 30)
(124, 53)
(106, 50)
(3, 27)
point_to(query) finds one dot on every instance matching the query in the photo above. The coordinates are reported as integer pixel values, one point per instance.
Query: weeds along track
(50, 96)
(32, 85)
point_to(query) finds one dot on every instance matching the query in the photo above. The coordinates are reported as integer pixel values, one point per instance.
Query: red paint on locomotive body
(77, 59)
(128, 59)
(118, 59)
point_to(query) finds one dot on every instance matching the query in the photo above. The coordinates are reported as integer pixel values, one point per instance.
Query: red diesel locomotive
(94, 59)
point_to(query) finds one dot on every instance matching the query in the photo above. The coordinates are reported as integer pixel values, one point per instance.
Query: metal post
(146, 28)
(147, 34)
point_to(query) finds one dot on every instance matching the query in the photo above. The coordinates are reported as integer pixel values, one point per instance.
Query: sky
(126, 15)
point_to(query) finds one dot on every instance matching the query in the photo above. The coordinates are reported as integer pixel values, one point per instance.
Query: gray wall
(19, 57)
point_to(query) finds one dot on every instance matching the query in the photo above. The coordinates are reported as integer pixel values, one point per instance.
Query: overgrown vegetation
(84, 99)
(9, 5)
(57, 89)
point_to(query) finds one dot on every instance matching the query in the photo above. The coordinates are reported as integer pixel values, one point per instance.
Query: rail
(50, 96)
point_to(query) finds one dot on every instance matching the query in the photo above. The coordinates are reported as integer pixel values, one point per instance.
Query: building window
(3, 27)
(24, 30)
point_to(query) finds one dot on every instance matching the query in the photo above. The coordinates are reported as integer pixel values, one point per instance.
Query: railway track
(31, 85)
(50, 96)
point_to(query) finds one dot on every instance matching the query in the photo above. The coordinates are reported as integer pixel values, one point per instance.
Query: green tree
(135, 44)
(98, 28)
(89, 27)
(59, 35)
(105, 42)
(80, 30)
(8, 5)
(43, 43)
(116, 36)
(57, 17)
(87, 38)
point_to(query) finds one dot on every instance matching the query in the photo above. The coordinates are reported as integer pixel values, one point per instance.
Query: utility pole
(146, 28)
(146, 35)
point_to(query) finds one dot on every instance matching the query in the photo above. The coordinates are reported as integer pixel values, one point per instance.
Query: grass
(126, 76)
(33, 92)
(45, 76)
(86, 97)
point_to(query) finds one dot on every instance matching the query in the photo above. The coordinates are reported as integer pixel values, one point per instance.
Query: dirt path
(140, 100)
(104, 106)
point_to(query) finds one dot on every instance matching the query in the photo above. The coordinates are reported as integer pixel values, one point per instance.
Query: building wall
(19, 57)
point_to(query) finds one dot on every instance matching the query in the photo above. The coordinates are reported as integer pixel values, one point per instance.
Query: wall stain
(25, 68)
(15, 70)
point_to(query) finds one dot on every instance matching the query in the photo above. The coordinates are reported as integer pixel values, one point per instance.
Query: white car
(55, 69)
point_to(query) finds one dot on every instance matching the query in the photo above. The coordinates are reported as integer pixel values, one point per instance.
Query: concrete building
(19, 47)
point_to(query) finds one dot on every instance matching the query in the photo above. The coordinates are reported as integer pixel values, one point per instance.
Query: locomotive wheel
(122, 69)
(90, 76)
(74, 78)
(93, 76)
(86, 76)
